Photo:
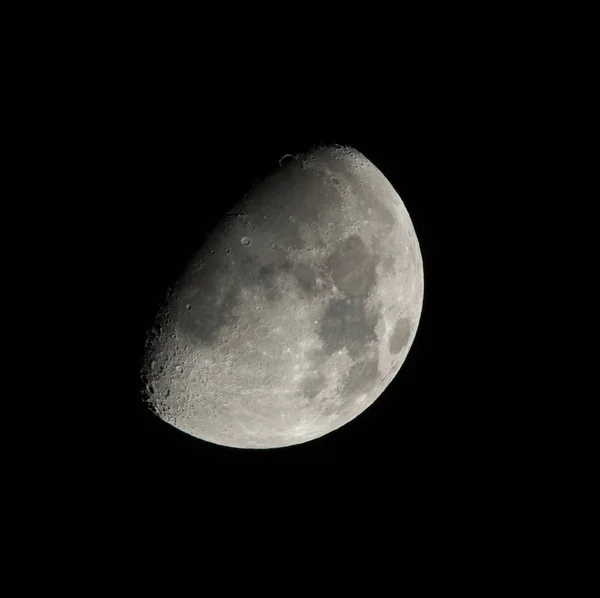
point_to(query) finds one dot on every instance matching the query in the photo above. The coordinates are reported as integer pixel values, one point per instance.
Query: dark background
(479, 451)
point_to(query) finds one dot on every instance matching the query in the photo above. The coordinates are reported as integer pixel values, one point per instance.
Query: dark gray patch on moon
(296, 197)
(387, 264)
(312, 385)
(400, 336)
(361, 377)
(209, 314)
(267, 279)
(379, 214)
(306, 277)
(272, 294)
(314, 195)
(352, 267)
(346, 324)
(293, 241)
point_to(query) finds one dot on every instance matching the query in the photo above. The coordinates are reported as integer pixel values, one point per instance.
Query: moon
(296, 312)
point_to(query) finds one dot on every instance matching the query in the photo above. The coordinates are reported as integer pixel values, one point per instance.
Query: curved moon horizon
(296, 312)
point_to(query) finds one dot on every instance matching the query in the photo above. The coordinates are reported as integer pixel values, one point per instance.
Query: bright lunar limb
(296, 312)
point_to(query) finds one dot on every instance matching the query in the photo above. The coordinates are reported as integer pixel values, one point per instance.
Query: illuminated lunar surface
(296, 312)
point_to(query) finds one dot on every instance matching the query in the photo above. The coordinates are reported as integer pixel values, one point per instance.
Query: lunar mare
(297, 311)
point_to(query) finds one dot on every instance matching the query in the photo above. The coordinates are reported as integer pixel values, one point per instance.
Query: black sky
(478, 434)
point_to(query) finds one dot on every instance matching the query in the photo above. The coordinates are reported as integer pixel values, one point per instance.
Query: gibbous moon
(296, 312)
